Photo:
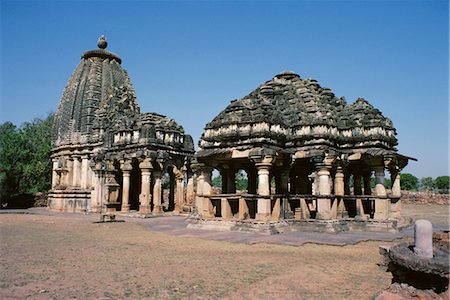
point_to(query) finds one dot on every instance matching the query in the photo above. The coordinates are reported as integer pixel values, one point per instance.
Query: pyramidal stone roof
(290, 112)
(99, 102)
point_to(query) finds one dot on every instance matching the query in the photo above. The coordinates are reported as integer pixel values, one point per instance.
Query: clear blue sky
(188, 59)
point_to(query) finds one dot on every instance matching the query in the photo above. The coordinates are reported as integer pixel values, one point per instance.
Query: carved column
(84, 171)
(264, 205)
(76, 171)
(396, 203)
(339, 191)
(231, 181)
(367, 188)
(179, 194)
(207, 208)
(157, 192)
(357, 190)
(69, 173)
(324, 189)
(190, 190)
(55, 177)
(251, 175)
(145, 196)
(382, 204)
(126, 168)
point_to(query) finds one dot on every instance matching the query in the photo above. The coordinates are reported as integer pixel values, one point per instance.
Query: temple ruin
(309, 158)
(106, 153)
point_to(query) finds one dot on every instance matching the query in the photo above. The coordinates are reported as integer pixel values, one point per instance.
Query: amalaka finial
(102, 43)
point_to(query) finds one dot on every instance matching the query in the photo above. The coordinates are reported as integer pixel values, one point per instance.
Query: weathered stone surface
(98, 126)
(288, 111)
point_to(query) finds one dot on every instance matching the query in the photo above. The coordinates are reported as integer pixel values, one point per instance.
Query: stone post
(396, 203)
(69, 174)
(367, 188)
(357, 190)
(207, 209)
(324, 189)
(157, 192)
(339, 191)
(224, 175)
(199, 192)
(126, 168)
(423, 238)
(396, 190)
(76, 171)
(84, 171)
(145, 197)
(251, 174)
(382, 204)
(55, 176)
(264, 205)
(231, 181)
(190, 190)
(179, 191)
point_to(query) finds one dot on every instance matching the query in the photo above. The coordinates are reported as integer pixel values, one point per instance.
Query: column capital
(146, 163)
(126, 166)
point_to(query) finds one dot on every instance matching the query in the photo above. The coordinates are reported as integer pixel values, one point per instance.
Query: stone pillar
(76, 171)
(367, 188)
(251, 174)
(324, 189)
(224, 175)
(69, 173)
(55, 176)
(179, 191)
(357, 190)
(395, 179)
(126, 168)
(207, 208)
(199, 192)
(339, 191)
(231, 181)
(382, 204)
(157, 192)
(145, 197)
(190, 190)
(84, 171)
(264, 205)
(423, 238)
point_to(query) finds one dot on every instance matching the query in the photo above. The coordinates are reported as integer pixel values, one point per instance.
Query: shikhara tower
(106, 151)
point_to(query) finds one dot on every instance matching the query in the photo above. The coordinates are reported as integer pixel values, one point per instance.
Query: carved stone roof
(290, 112)
(98, 107)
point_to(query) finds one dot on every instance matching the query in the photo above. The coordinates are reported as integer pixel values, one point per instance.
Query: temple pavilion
(107, 153)
(309, 158)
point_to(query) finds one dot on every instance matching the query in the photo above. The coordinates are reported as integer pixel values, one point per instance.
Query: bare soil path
(60, 257)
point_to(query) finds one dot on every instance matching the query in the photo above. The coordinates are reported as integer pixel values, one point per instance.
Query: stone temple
(309, 158)
(106, 153)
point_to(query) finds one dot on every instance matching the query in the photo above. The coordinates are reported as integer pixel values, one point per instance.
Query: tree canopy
(25, 165)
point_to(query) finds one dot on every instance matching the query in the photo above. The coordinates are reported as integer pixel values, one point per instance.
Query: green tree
(408, 182)
(426, 183)
(25, 165)
(217, 182)
(241, 181)
(442, 183)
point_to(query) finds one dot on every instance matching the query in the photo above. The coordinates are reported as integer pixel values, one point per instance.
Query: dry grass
(45, 257)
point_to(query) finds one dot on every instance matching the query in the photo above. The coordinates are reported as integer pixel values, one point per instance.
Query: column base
(157, 209)
(125, 208)
(144, 209)
(323, 215)
(263, 217)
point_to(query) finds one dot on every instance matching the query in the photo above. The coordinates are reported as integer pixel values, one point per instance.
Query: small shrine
(309, 158)
(106, 153)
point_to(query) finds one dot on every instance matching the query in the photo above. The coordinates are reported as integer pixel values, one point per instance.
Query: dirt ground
(48, 257)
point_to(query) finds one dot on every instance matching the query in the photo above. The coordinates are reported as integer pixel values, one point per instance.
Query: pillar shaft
(382, 204)
(324, 189)
(357, 190)
(145, 196)
(55, 176)
(157, 192)
(263, 207)
(76, 171)
(179, 192)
